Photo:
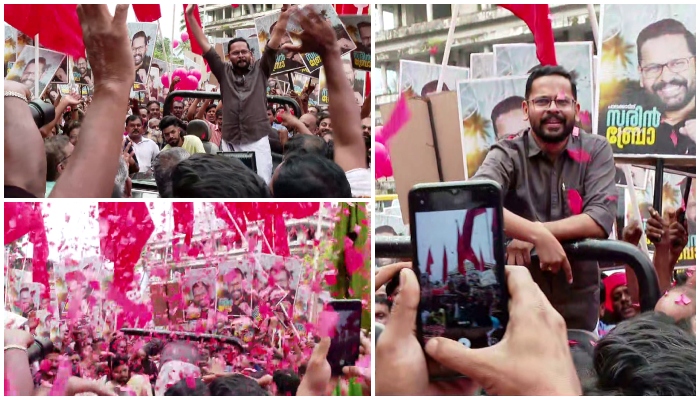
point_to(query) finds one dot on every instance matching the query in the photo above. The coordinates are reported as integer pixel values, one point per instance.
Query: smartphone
(459, 259)
(345, 344)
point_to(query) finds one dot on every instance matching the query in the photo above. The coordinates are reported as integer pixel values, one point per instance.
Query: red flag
(193, 43)
(57, 25)
(464, 246)
(183, 217)
(281, 237)
(536, 16)
(351, 9)
(428, 263)
(125, 229)
(444, 265)
(26, 218)
(147, 12)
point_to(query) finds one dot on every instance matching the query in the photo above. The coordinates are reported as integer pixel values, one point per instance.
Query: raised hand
(317, 36)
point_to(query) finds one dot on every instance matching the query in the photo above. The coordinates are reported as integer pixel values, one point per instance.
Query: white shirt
(146, 151)
(360, 180)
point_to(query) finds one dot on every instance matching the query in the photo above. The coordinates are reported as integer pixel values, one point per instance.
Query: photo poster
(481, 65)
(159, 68)
(359, 87)
(198, 293)
(322, 99)
(316, 93)
(359, 28)
(286, 61)
(142, 36)
(234, 282)
(632, 103)
(480, 102)
(250, 35)
(25, 69)
(82, 73)
(286, 273)
(72, 278)
(166, 299)
(14, 44)
(280, 86)
(419, 79)
(639, 176)
(300, 82)
(519, 59)
(672, 199)
(312, 61)
(61, 75)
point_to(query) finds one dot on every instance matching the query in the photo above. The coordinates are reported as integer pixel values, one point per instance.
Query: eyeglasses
(239, 53)
(139, 49)
(543, 103)
(653, 71)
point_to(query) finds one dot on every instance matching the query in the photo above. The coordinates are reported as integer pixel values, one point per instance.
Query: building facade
(410, 31)
(222, 20)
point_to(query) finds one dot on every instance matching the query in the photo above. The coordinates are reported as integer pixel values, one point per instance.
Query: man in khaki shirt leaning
(557, 183)
(172, 134)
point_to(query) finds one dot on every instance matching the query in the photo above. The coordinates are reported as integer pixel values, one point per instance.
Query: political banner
(575, 57)
(14, 44)
(142, 37)
(489, 110)
(251, 37)
(359, 87)
(481, 65)
(82, 73)
(312, 61)
(26, 70)
(76, 282)
(647, 79)
(277, 87)
(233, 288)
(286, 60)
(420, 79)
(198, 293)
(359, 27)
(61, 75)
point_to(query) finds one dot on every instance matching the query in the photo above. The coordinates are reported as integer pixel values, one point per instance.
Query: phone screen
(345, 344)
(458, 249)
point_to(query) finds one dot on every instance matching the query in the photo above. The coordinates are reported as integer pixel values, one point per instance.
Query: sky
(438, 230)
(166, 19)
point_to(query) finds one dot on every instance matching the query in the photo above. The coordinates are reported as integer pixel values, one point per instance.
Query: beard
(674, 105)
(242, 64)
(138, 59)
(29, 82)
(540, 129)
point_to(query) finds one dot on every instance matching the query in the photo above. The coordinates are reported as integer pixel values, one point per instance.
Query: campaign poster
(285, 272)
(61, 75)
(639, 176)
(419, 79)
(199, 293)
(233, 288)
(300, 82)
(82, 73)
(647, 79)
(490, 110)
(575, 57)
(359, 27)
(27, 70)
(277, 87)
(14, 44)
(672, 200)
(286, 60)
(312, 61)
(250, 35)
(77, 278)
(481, 65)
(358, 87)
(142, 37)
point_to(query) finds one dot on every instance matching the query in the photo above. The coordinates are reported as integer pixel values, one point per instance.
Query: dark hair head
(287, 382)
(505, 106)
(431, 87)
(236, 40)
(383, 299)
(213, 176)
(219, 113)
(664, 27)
(309, 176)
(211, 106)
(645, 356)
(131, 118)
(548, 70)
(54, 147)
(321, 116)
(141, 34)
(163, 167)
(236, 385)
(42, 60)
(148, 105)
(305, 144)
(200, 284)
(182, 388)
(169, 121)
(363, 24)
(117, 361)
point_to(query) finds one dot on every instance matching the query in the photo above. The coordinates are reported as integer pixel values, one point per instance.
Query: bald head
(310, 121)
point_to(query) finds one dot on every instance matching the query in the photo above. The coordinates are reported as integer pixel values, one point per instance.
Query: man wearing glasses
(666, 55)
(139, 47)
(243, 91)
(558, 185)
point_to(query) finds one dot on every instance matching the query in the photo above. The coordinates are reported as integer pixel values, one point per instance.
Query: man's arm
(95, 159)
(269, 56)
(599, 201)
(192, 109)
(203, 109)
(197, 31)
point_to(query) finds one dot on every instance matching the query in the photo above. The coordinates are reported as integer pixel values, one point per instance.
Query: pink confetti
(585, 117)
(579, 155)
(327, 323)
(331, 278)
(354, 261)
(575, 201)
(398, 118)
(683, 300)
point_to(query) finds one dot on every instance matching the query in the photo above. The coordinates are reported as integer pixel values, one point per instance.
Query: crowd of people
(96, 148)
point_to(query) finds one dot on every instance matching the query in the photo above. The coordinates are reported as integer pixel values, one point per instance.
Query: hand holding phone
(345, 342)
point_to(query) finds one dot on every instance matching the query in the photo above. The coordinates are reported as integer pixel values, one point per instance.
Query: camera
(42, 113)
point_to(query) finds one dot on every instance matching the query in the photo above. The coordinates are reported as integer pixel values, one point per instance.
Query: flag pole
(448, 45)
(172, 37)
(37, 66)
(637, 214)
(594, 25)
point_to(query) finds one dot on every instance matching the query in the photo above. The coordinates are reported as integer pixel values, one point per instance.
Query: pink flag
(398, 118)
